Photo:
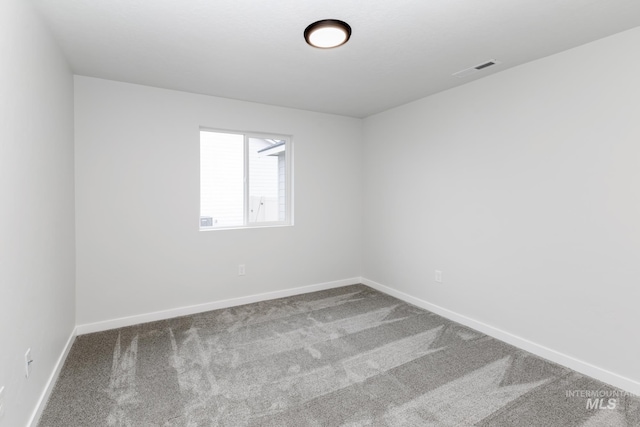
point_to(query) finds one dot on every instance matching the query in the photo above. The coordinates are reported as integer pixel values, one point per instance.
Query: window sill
(245, 227)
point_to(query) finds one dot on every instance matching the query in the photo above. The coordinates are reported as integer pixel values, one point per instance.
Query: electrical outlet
(27, 363)
(241, 270)
(1, 401)
(438, 276)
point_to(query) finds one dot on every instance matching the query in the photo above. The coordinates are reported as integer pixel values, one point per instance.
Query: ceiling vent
(476, 68)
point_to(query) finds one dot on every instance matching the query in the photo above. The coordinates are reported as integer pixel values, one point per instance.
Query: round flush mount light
(327, 33)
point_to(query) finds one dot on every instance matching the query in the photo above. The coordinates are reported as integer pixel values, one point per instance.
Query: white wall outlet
(1, 401)
(27, 363)
(241, 270)
(438, 276)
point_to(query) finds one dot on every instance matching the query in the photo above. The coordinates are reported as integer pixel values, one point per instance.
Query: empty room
(332, 213)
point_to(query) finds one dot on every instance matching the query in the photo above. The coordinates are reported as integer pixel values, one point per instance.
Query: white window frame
(288, 221)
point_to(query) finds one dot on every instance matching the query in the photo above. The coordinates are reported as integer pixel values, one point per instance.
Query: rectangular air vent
(485, 65)
(468, 71)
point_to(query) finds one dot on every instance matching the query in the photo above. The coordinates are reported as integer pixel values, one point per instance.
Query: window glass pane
(267, 179)
(221, 179)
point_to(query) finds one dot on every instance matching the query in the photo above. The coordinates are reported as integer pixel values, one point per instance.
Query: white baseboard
(577, 365)
(35, 416)
(214, 305)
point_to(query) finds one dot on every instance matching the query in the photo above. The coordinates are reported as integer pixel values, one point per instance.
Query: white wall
(524, 189)
(137, 192)
(37, 215)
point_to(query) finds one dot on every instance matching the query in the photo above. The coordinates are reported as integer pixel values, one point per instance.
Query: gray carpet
(344, 357)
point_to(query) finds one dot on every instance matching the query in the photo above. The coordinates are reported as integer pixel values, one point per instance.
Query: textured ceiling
(400, 50)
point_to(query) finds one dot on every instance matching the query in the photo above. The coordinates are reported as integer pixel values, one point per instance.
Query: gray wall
(37, 300)
(137, 189)
(523, 188)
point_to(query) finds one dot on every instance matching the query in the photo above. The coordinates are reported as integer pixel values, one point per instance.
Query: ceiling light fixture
(327, 33)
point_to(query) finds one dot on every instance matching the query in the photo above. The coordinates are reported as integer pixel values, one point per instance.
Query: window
(245, 180)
